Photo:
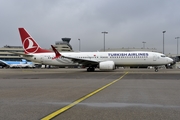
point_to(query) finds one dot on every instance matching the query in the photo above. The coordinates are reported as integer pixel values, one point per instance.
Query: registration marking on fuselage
(61, 110)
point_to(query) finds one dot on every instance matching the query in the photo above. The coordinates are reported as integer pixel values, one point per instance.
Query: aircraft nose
(170, 60)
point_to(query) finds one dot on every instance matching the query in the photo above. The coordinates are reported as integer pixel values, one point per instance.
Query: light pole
(79, 45)
(163, 40)
(104, 38)
(177, 43)
(144, 44)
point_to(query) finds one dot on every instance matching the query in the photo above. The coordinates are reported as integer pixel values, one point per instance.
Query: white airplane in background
(18, 64)
(91, 60)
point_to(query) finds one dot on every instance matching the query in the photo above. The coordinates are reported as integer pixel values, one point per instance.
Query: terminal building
(7, 55)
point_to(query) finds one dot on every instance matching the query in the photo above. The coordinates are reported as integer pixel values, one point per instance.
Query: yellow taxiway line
(54, 114)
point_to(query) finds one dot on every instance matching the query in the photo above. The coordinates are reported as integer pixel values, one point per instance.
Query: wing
(84, 62)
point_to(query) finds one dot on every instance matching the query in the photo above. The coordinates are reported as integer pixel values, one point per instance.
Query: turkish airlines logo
(30, 46)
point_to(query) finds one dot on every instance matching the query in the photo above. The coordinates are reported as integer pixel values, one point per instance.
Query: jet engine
(107, 65)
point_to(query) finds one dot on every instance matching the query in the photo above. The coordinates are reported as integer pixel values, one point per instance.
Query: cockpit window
(163, 56)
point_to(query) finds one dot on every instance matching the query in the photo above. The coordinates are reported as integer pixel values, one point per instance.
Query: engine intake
(107, 65)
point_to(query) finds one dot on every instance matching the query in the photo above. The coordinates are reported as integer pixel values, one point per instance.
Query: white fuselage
(137, 58)
(21, 66)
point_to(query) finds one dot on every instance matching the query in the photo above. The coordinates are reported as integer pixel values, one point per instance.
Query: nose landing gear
(156, 69)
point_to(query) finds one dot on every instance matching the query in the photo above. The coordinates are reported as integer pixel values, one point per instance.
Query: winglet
(56, 52)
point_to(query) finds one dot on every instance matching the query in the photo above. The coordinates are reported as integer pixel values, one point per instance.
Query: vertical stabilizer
(29, 44)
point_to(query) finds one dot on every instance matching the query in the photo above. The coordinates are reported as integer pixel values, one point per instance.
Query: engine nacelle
(107, 65)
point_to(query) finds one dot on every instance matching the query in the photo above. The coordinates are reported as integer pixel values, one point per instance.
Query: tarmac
(74, 94)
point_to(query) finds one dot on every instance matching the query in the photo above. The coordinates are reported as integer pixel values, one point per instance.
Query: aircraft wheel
(90, 69)
(156, 69)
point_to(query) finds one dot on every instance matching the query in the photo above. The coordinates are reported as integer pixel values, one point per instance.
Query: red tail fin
(29, 44)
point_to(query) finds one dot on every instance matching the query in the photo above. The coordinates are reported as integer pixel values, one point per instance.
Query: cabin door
(155, 57)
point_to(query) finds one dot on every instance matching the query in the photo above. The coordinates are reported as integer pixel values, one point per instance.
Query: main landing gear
(156, 69)
(90, 69)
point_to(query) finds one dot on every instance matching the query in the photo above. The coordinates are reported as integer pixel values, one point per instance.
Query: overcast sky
(128, 23)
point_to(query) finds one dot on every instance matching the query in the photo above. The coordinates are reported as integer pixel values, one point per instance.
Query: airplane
(17, 64)
(90, 60)
(3, 64)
